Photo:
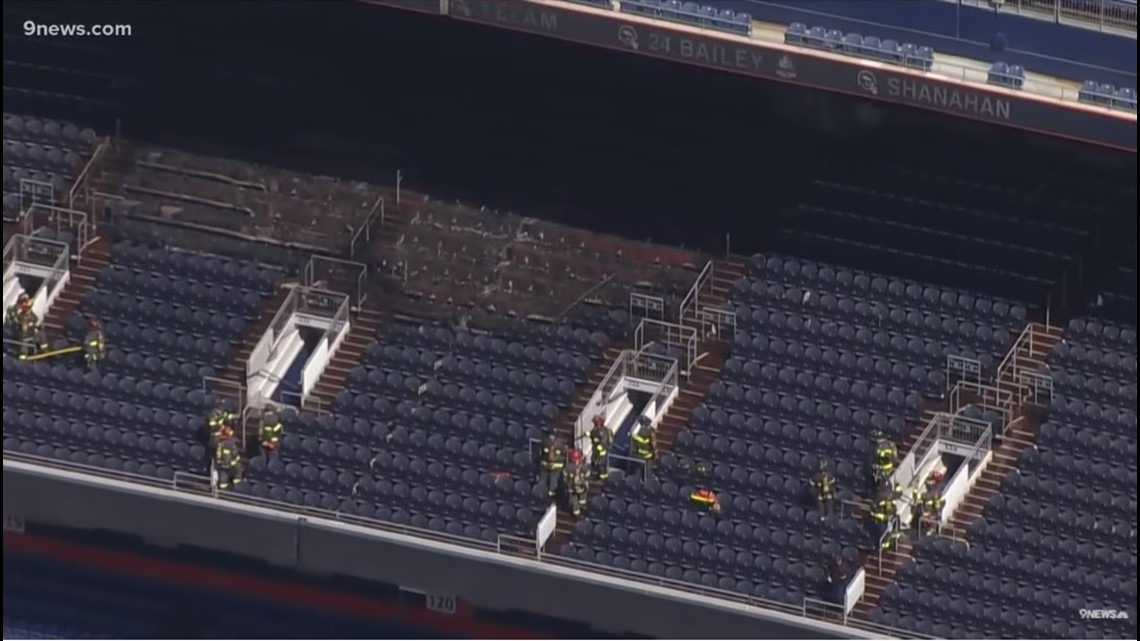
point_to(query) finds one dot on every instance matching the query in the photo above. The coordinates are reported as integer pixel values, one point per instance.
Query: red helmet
(599, 420)
(575, 455)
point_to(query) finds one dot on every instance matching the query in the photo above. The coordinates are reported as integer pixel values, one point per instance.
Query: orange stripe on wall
(461, 624)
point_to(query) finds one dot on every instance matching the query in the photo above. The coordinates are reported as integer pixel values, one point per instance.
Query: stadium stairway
(879, 577)
(712, 355)
(362, 331)
(1029, 352)
(84, 272)
(564, 429)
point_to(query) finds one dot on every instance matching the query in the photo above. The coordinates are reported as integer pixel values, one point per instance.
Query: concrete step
(361, 334)
(84, 274)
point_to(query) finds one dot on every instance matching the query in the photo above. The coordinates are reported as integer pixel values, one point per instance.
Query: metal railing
(989, 397)
(191, 480)
(645, 306)
(824, 610)
(34, 192)
(517, 545)
(337, 271)
(894, 526)
(225, 389)
(59, 220)
(597, 404)
(717, 323)
(364, 233)
(960, 368)
(1116, 16)
(51, 255)
(80, 190)
(1011, 368)
(1036, 388)
(667, 383)
(967, 436)
(683, 337)
(691, 303)
(303, 402)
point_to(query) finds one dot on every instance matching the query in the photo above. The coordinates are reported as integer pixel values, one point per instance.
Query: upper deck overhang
(956, 87)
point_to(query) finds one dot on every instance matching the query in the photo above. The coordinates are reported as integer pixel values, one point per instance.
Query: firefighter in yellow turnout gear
(552, 460)
(601, 439)
(270, 429)
(643, 443)
(217, 421)
(576, 482)
(884, 517)
(33, 339)
(884, 460)
(824, 484)
(932, 503)
(94, 344)
(227, 461)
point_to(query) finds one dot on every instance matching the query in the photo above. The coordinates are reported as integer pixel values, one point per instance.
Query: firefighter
(891, 535)
(884, 516)
(94, 344)
(932, 503)
(12, 314)
(217, 419)
(553, 459)
(824, 484)
(601, 439)
(885, 459)
(575, 481)
(918, 508)
(269, 430)
(706, 498)
(643, 442)
(32, 336)
(837, 578)
(228, 463)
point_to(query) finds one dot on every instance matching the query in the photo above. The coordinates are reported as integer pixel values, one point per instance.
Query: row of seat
(838, 281)
(211, 271)
(528, 360)
(1006, 75)
(871, 47)
(39, 156)
(172, 290)
(691, 13)
(1103, 93)
(48, 131)
(562, 338)
(1029, 237)
(909, 322)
